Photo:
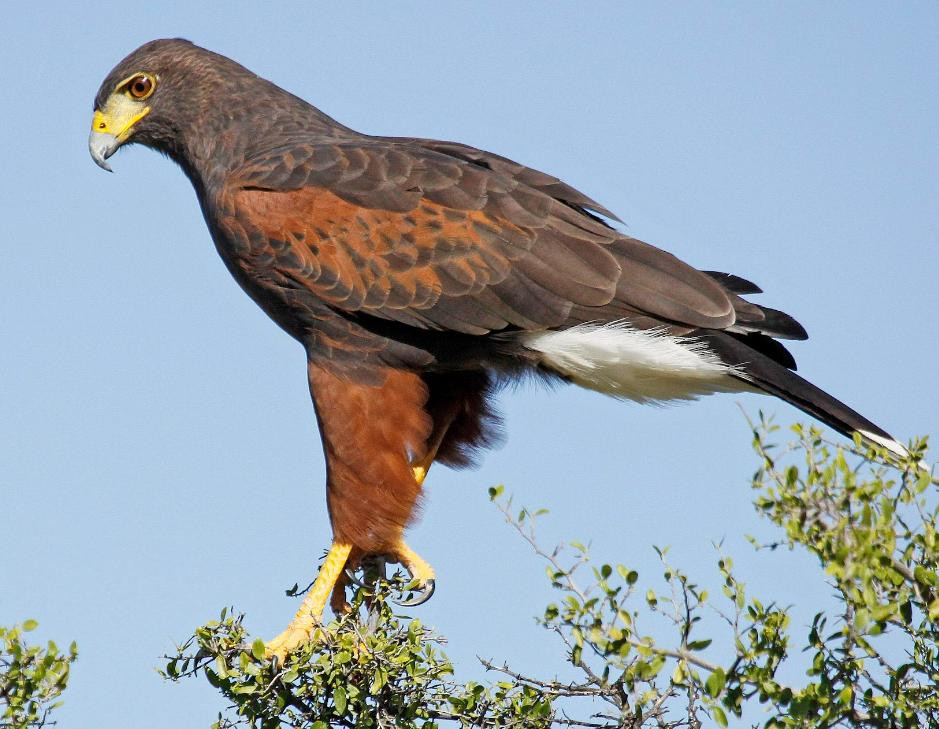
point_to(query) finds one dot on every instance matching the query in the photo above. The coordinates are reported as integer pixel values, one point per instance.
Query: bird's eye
(141, 86)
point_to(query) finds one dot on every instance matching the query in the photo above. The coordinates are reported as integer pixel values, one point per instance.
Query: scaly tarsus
(310, 614)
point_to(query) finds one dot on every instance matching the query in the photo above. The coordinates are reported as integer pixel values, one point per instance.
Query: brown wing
(536, 180)
(401, 231)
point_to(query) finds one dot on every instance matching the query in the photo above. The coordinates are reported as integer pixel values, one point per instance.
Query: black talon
(424, 594)
(353, 578)
(376, 562)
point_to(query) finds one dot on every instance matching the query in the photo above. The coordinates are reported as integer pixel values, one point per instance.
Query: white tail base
(638, 364)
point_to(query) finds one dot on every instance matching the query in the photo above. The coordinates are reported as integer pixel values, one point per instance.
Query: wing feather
(442, 236)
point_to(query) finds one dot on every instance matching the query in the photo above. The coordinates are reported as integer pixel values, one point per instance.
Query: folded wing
(450, 238)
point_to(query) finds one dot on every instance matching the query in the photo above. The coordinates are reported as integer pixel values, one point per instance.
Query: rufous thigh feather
(371, 435)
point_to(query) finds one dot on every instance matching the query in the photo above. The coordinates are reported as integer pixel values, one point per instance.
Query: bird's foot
(305, 624)
(421, 574)
(292, 638)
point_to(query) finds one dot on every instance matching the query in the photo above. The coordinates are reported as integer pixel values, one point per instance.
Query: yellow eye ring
(140, 86)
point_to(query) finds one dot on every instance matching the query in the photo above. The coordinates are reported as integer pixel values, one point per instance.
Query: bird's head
(165, 95)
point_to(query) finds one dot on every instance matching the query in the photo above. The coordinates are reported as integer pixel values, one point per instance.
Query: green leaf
(258, 649)
(719, 716)
(29, 625)
(923, 576)
(933, 612)
(715, 683)
(213, 678)
(339, 699)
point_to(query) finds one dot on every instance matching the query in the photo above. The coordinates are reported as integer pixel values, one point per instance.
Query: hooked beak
(112, 126)
(102, 145)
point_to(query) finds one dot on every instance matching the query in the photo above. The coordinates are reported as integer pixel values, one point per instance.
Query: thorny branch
(875, 538)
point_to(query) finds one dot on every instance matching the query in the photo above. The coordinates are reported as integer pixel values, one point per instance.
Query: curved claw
(376, 561)
(422, 595)
(423, 592)
(353, 578)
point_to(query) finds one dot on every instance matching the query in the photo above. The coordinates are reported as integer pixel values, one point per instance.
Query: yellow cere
(119, 115)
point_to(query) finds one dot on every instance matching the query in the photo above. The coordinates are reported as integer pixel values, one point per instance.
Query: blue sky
(158, 455)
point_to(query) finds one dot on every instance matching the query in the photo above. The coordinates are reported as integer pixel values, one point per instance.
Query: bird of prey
(419, 275)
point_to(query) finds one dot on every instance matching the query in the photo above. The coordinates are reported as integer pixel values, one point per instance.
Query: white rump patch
(639, 364)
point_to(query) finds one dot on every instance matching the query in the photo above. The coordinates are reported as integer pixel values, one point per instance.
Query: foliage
(31, 678)
(650, 654)
(381, 671)
(872, 527)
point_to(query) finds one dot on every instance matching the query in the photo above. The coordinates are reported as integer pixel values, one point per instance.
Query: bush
(31, 678)
(870, 523)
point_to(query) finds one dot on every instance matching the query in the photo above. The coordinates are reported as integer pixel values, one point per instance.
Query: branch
(553, 687)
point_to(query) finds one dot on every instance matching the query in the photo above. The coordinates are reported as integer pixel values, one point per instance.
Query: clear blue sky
(158, 456)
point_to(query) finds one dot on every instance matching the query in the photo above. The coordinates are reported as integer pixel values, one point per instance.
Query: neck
(214, 140)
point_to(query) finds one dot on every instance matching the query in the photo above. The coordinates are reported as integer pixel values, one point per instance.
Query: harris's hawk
(418, 275)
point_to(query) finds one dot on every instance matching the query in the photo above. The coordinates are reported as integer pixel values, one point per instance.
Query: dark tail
(762, 372)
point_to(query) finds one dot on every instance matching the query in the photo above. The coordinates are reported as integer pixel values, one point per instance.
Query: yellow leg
(420, 472)
(421, 468)
(420, 571)
(417, 566)
(310, 613)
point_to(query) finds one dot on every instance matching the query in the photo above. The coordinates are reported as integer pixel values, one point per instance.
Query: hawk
(419, 275)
